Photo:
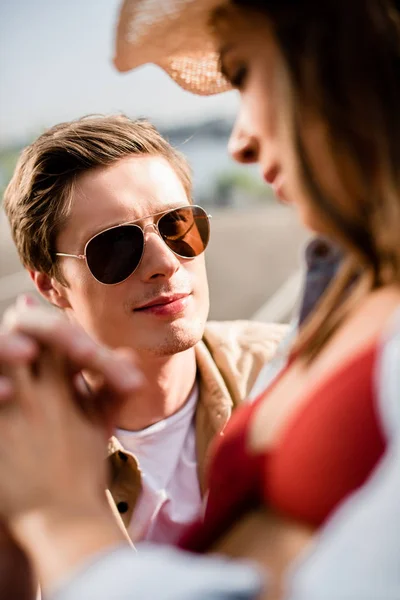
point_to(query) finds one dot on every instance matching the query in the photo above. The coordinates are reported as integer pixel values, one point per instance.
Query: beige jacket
(229, 359)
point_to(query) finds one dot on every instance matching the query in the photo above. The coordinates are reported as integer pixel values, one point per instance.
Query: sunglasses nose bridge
(152, 226)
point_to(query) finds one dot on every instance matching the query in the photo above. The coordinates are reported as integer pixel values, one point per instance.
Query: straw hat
(173, 34)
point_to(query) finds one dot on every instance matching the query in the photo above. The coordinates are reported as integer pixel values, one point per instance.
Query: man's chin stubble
(174, 343)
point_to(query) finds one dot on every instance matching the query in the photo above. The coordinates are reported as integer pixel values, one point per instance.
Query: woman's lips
(275, 181)
(279, 192)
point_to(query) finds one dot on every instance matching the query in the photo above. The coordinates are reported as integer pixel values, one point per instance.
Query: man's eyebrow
(88, 235)
(83, 239)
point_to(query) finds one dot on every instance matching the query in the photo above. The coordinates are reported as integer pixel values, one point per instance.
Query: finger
(62, 388)
(85, 397)
(108, 406)
(16, 348)
(54, 380)
(108, 403)
(50, 329)
(59, 400)
(22, 303)
(8, 315)
(27, 301)
(23, 392)
(46, 392)
(99, 405)
(128, 354)
(6, 390)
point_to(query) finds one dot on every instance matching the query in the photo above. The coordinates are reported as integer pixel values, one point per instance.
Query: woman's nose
(243, 146)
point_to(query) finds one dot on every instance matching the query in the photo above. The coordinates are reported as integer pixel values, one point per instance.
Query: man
(140, 286)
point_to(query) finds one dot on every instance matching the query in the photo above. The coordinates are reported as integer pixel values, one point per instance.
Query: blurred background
(56, 65)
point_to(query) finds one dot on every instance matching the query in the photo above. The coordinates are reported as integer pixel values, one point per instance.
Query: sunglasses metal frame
(143, 229)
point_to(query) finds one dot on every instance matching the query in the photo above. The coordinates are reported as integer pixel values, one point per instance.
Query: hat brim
(176, 36)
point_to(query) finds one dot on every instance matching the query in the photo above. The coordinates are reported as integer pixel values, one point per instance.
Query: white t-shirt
(171, 496)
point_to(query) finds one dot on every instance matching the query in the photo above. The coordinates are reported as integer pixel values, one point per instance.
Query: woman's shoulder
(387, 376)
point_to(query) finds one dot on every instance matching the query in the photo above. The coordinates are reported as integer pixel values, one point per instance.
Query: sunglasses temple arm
(80, 256)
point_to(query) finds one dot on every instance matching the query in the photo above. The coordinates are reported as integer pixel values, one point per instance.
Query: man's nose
(158, 260)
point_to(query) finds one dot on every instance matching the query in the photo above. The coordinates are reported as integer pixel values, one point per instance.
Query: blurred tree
(233, 187)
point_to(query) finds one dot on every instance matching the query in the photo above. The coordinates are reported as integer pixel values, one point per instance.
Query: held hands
(26, 328)
(51, 454)
(53, 440)
(53, 432)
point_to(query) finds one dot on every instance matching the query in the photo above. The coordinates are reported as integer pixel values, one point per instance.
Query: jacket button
(122, 507)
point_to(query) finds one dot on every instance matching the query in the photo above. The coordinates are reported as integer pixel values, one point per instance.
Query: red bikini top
(327, 450)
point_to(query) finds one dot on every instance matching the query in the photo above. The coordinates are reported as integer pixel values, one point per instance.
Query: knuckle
(9, 318)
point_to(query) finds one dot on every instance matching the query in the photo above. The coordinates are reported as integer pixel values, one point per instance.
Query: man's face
(132, 189)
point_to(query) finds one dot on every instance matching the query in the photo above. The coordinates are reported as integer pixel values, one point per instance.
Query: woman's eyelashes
(237, 77)
(235, 74)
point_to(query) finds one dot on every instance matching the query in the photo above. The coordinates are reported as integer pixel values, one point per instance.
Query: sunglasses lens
(112, 256)
(186, 231)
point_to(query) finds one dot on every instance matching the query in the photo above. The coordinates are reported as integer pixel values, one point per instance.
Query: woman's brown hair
(342, 61)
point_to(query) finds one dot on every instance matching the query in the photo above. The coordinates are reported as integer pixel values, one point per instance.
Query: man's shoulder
(239, 350)
(250, 336)
(245, 334)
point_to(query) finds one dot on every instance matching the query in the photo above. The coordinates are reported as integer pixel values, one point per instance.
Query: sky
(55, 65)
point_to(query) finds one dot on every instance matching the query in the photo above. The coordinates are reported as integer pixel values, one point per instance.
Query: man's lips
(162, 300)
(165, 305)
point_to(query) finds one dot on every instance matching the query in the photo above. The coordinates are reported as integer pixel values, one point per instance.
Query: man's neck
(168, 383)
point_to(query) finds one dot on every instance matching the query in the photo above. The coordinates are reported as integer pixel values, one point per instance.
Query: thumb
(108, 403)
(128, 354)
(27, 301)
(22, 303)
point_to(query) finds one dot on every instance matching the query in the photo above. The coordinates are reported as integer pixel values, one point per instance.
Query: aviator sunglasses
(115, 253)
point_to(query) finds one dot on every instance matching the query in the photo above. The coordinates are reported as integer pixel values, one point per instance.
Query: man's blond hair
(38, 198)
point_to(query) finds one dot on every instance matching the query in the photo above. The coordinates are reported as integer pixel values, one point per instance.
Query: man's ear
(51, 289)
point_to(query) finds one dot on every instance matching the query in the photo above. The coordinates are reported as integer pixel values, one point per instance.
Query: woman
(320, 87)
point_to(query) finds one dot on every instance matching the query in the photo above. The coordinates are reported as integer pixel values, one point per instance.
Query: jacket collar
(214, 395)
